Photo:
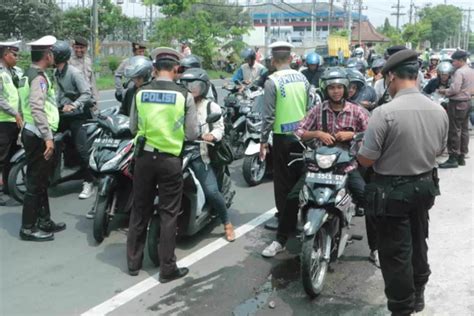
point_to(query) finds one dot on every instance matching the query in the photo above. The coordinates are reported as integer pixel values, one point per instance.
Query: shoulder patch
(43, 84)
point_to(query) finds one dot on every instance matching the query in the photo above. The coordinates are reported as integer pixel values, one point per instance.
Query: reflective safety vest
(10, 94)
(291, 100)
(52, 113)
(161, 111)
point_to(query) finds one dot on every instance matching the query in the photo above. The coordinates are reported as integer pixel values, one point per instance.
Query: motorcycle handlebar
(296, 155)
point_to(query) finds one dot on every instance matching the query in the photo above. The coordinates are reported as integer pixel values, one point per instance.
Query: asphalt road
(73, 275)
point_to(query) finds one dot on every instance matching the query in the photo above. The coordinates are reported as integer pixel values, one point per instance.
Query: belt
(32, 128)
(422, 176)
(150, 149)
(459, 101)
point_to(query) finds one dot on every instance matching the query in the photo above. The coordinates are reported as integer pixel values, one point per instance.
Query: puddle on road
(280, 277)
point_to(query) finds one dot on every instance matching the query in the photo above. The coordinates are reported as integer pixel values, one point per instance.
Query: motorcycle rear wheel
(101, 218)
(17, 181)
(154, 239)
(254, 170)
(313, 265)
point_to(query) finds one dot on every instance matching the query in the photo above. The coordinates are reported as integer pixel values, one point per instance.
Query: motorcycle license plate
(324, 178)
(106, 142)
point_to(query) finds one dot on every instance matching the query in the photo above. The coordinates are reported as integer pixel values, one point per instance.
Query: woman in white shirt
(198, 83)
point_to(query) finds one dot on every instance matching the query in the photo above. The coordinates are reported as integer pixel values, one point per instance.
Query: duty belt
(395, 180)
(32, 128)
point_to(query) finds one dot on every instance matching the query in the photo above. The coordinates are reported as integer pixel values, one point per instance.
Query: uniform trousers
(36, 201)
(458, 134)
(8, 146)
(164, 170)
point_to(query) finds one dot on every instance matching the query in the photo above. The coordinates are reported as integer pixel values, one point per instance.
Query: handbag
(221, 152)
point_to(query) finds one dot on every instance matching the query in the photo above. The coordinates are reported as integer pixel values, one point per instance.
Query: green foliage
(171, 7)
(207, 28)
(417, 33)
(76, 21)
(392, 33)
(28, 19)
(444, 21)
(113, 62)
(341, 32)
(24, 60)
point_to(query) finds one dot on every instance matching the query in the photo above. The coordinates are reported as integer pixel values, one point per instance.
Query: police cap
(44, 43)
(280, 46)
(166, 53)
(402, 58)
(138, 45)
(459, 54)
(13, 46)
(81, 41)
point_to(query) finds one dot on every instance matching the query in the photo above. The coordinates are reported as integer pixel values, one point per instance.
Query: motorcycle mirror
(358, 137)
(213, 117)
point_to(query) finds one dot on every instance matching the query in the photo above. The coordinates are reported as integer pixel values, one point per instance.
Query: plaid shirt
(352, 118)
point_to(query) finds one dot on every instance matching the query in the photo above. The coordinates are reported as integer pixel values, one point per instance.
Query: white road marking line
(108, 100)
(147, 284)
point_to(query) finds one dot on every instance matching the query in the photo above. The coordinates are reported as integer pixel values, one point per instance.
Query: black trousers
(403, 251)
(36, 201)
(152, 169)
(79, 137)
(8, 137)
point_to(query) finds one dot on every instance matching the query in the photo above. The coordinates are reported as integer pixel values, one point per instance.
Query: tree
(417, 33)
(28, 19)
(206, 27)
(444, 19)
(74, 22)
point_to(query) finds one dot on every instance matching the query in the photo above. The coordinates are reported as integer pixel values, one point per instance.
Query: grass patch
(105, 82)
(215, 74)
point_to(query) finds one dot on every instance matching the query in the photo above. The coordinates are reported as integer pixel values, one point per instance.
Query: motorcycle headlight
(325, 161)
(304, 195)
(92, 162)
(340, 195)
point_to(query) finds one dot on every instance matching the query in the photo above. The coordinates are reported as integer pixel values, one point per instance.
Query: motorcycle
(253, 169)
(112, 152)
(195, 213)
(439, 99)
(65, 157)
(238, 105)
(326, 209)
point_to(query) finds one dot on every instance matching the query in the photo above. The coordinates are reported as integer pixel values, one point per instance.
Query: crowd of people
(168, 97)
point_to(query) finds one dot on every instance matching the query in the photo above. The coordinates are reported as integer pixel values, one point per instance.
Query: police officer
(460, 93)
(83, 62)
(74, 99)
(41, 118)
(163, 116)
(285, 105)
(405, 182)
(138, 49)
(10, 118)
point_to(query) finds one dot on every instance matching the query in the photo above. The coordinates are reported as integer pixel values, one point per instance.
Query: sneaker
(274, 248)
(87, 190)
(91, 214)
(374, 257)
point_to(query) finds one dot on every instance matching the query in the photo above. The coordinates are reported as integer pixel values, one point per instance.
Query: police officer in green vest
(163, 116)
(286, 103)
(10, 118)
(41, 118)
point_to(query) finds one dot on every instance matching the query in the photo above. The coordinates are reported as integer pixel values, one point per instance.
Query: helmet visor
(196, 87)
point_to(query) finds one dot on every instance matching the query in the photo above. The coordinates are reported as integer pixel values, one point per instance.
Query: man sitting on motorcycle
(445, 69)
(193, 61)
(313, 72)
(198, 83)
(250, 70)
(359, 91)
(74, 100)
(343, 120)
(139, 70)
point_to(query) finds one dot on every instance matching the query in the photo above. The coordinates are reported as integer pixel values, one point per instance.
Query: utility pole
(411, 11)
(468, 29)
(349, 28)
(360, 21)
(331, 2)
(269, 23)
(313, 19)
(95, 31)
(398, 13)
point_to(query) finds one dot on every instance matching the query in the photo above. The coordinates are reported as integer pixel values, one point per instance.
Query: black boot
(35, 234)
(452, 162)
(461, 160)
(419, 299)
(44, 221)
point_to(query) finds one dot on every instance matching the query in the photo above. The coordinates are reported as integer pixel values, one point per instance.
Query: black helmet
(334, 75)
(191, 61)
(248, 53)
(61, 52)
(196, 80)
(139, 66)
(356, 77)
(378, 63)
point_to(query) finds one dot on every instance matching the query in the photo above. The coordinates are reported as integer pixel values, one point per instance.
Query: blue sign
(159, 97)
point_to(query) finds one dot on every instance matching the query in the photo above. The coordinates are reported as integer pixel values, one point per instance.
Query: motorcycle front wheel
(154, 239)
(101, 218)
(17, 181)
(254, 170)
(314, 266)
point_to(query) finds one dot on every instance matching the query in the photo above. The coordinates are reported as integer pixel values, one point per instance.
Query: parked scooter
(65, 157)
(112, 152)
(195, 213)
(326, 209)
